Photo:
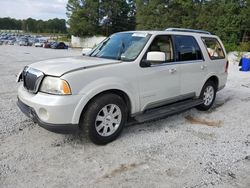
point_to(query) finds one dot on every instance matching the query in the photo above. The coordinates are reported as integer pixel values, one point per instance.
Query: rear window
(187, 48)
(214, 48)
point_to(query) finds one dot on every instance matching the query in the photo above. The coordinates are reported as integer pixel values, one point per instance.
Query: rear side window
(187, 49)
(214, 48)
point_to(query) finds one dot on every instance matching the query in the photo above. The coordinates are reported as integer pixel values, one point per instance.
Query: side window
(187, 49)
(163, 43)
(214, 48)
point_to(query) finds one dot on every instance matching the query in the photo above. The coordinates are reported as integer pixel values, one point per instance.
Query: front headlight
(54, 85)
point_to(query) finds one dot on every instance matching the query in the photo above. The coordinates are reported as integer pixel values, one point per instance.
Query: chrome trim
(39, 76)
(176, 63)
(188, 30)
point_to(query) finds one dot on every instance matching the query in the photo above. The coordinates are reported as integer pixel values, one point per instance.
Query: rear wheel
(208, 94)
(104, 118)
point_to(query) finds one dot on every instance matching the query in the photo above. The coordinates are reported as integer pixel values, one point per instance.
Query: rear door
(193, 67)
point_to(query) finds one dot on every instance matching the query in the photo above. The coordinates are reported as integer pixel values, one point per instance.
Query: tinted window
(214, 48)
(187, 49)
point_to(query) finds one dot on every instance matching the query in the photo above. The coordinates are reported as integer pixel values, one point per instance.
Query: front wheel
(208, 94)
(104, 118)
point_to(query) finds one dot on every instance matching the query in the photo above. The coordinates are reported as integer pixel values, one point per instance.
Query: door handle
(172, 70)
(203, 67)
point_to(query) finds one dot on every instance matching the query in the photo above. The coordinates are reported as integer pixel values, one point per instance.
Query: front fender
(104, 84)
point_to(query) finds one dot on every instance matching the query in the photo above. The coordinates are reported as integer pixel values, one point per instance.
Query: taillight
(226, 67)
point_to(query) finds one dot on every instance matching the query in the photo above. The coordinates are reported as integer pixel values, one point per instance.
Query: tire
(208, 94)
(100, 124)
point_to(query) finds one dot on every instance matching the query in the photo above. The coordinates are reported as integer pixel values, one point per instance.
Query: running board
(168, 110)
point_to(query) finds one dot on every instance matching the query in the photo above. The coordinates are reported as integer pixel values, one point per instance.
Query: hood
(59, 67)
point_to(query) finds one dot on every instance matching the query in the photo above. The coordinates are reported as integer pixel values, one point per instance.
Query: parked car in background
(23, 39)
(11, 42)
(48, 44)
(59, 45)
(40, 43)
(24, 42)
(85, 51)
(33, 40)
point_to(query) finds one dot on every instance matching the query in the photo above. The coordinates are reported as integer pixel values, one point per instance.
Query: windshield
(121, 46)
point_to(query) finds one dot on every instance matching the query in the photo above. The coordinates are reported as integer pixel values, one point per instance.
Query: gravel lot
(191, 149)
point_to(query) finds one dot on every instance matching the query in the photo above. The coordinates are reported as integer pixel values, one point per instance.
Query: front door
(159, 83)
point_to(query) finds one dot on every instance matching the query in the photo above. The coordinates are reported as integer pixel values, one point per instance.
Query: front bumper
(52, 112)
(57, 128)
(53, 109)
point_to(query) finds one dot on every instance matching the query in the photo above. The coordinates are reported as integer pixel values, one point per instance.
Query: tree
(90, 17)
(118, 15)
(31, 25)
(83, 17)
(161, 14)
(245, 21)
(9, 23)
(150, 14)
(229, 19)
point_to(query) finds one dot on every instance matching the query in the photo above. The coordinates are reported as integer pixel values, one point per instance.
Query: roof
(178, 31)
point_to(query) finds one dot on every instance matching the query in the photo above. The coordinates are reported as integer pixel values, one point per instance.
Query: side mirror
(156, 57)
(153, 58)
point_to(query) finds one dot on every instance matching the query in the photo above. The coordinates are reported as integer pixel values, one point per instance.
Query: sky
(37, 9)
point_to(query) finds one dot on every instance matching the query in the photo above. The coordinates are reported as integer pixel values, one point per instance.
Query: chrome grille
(32, 79)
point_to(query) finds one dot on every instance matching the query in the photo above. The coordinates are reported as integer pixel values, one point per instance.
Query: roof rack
(188, 30)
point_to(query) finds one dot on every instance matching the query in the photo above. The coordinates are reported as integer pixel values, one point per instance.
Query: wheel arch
(118, 92)
(214, 79)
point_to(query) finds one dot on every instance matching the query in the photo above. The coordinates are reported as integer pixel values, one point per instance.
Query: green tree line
(36, 26)
(90, 17)
(228, 19)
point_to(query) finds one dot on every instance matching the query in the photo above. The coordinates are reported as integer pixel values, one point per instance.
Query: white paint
(156, 56)
(143, 86)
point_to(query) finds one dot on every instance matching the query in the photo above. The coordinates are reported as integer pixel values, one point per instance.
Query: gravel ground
(191, 149)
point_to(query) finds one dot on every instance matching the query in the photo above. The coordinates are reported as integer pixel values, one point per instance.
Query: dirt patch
(194, 120)
(121, 169)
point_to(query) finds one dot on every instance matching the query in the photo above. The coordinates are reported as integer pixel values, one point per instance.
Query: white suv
(138, 75)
